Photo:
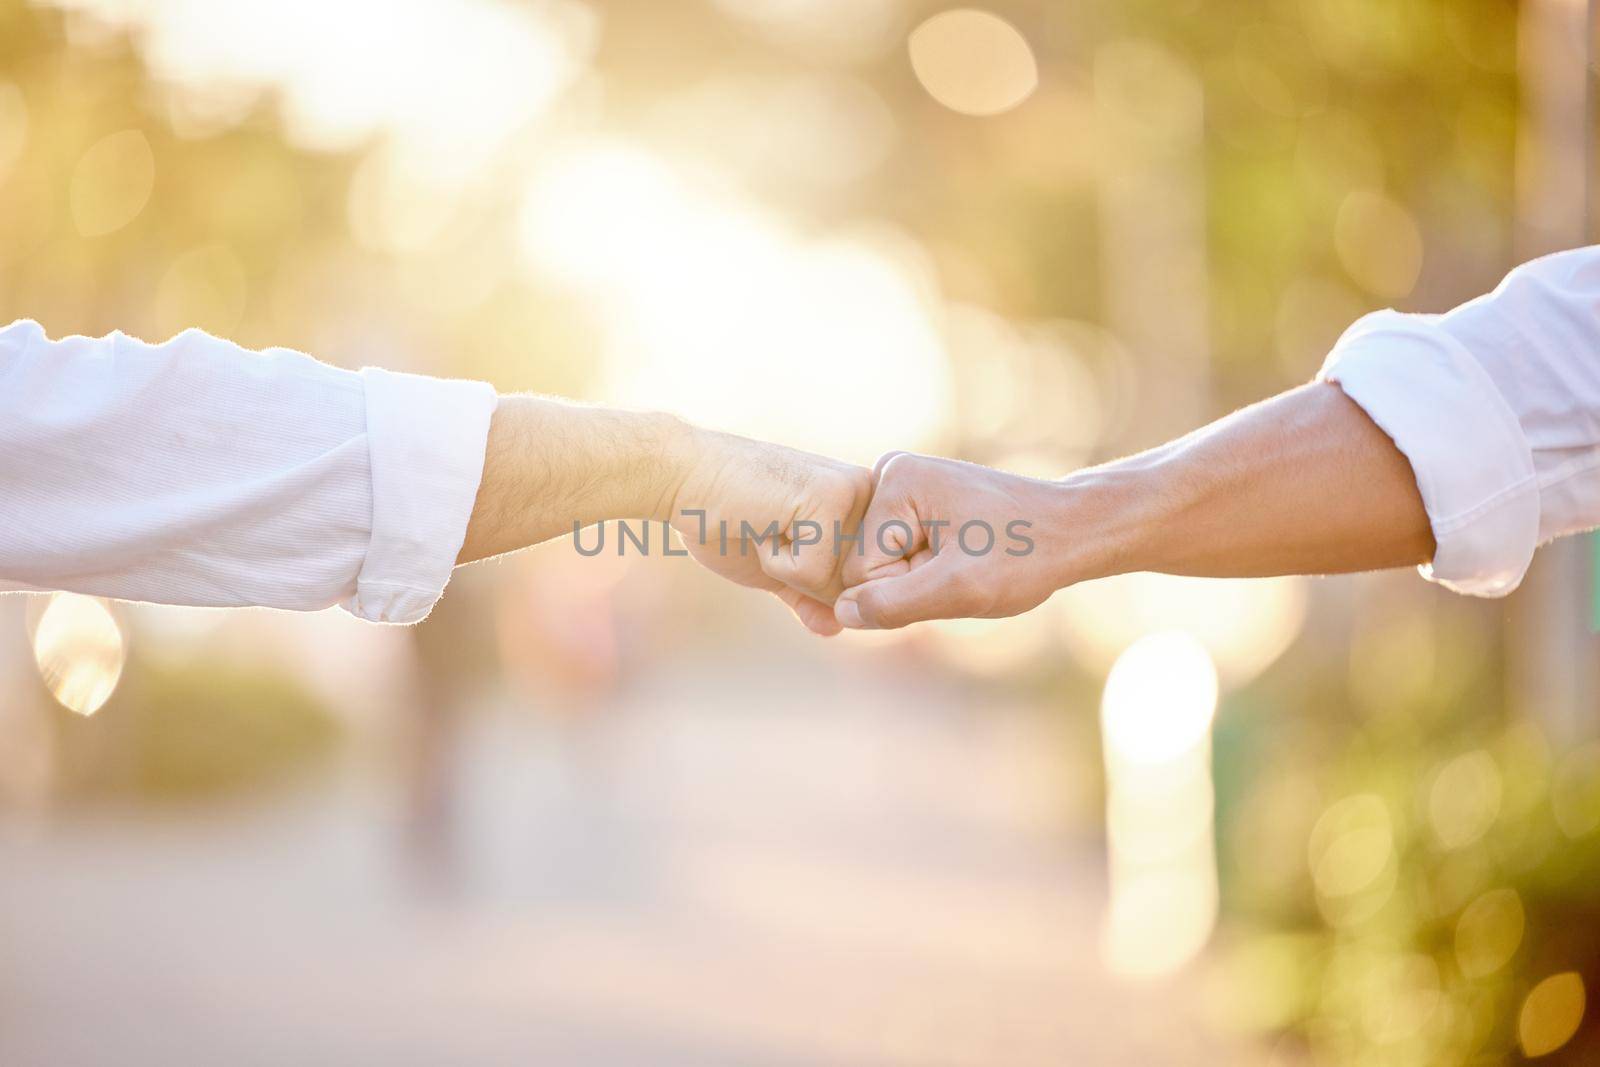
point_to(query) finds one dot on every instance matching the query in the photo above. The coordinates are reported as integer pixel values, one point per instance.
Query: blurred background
(610, 811)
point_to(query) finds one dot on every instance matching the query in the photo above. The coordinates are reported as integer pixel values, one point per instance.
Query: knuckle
(896, 467)
(847, 490)
(885, 461)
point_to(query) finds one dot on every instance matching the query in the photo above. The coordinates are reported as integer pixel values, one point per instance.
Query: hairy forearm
(1303, 483)
(551, 463)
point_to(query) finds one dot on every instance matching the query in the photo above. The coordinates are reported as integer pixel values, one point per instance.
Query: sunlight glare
(1159, 698)
(1245, 623)
(717, 310)
(836, 31)
(1156, 716)
(452, 80)
(836, 130)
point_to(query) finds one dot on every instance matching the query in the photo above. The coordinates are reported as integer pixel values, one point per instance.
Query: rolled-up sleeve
(1496, 405)
(426, 442)
(198, 472)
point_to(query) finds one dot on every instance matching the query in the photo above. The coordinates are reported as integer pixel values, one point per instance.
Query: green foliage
(1402, 874)
(194, 731)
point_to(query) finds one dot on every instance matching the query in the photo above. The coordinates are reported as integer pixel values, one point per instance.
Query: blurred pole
(1554, 657)
(454, 653)
(1156, 712)
(1150, 119)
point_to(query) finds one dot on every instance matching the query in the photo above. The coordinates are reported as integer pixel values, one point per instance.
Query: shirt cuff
(427, 438)
(1472, 462)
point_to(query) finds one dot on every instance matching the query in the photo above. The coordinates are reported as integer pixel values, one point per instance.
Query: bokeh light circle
(1379, 243)
(80, 651)
(973, 62)
(1551, 1014)
(112, 183)
(1489, 932)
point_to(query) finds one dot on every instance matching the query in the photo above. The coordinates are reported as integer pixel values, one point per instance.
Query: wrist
(1107, 520)
(671, 449)
(698, 471)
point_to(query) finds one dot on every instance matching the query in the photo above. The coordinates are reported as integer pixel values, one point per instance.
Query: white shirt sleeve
(197, 472)
(1497, 406)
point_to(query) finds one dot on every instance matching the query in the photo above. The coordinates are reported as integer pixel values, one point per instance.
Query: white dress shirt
(197, 472)
(1497, 406)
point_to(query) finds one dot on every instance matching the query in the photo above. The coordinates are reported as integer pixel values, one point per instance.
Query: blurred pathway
(817, 869)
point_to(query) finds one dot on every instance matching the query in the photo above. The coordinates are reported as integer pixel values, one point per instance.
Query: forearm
(550, 464)
(1303, 483)
(1461, 441)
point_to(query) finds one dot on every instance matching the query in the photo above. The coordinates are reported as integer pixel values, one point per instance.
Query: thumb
(931, 591)
(814, 614)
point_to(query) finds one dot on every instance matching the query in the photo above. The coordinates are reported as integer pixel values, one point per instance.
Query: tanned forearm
(550, 463)
(1303, 483)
